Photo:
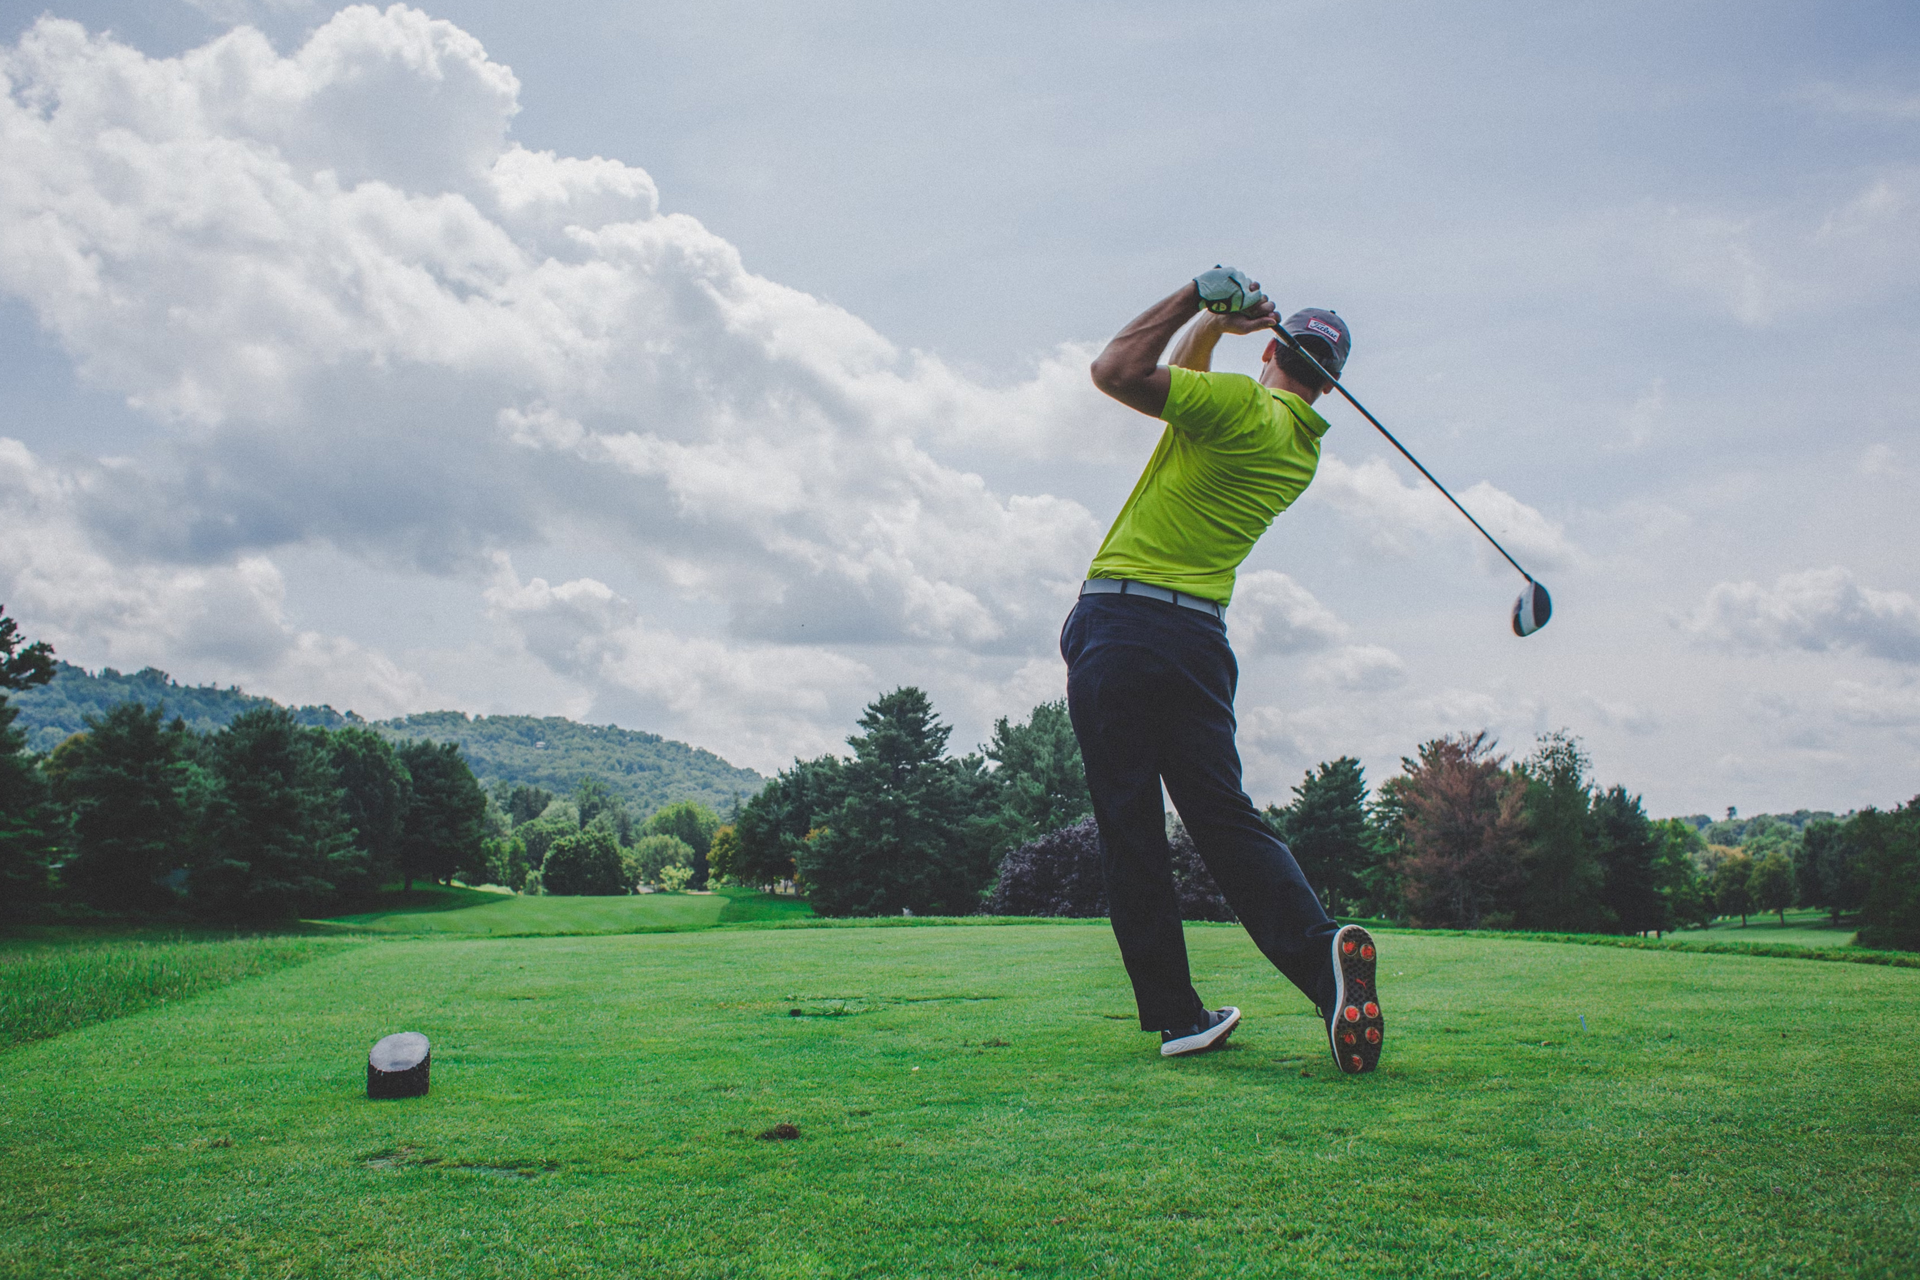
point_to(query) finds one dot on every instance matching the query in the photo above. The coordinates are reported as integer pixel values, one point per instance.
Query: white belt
(1128, 587)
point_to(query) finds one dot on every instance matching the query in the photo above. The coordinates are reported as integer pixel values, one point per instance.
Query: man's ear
(1273, 351)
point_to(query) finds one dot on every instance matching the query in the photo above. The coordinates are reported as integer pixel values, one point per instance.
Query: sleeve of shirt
(1208, 407)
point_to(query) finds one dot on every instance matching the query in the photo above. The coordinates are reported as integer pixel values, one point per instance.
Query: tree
(1770, 883)
(1462, 820)
(585, 862)
(523, 804)
(1628, 850)
(1889, 863)
(774, 825)
(594, 799)
(1676, 875)
(913, 830)
(1040, 781)
(1564, 881)
(723, 856)
(1327, 829)
(693, 824)
(377, 793)
(444, 832)
(507, 863)
(538, 837)
(653, 854)
(1832, 859)
(29, 824)
(1732, 886)
(277, 843)
(124, 783)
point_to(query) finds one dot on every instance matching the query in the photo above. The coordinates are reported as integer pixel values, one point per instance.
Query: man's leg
(1262, 883)
(1114, 681)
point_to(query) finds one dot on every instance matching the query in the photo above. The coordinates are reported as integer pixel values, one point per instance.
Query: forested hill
(55, 712)
(648, 771)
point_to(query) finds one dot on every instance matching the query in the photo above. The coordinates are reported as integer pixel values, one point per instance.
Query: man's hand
(1227, 291)
(1129, 369)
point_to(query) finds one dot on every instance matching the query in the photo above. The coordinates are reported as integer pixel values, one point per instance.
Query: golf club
(1535, 606)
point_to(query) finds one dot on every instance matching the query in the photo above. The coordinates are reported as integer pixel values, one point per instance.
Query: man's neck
(1272, 375)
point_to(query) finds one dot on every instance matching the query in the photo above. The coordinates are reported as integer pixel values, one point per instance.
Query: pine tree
(377, 791)
(124, 781)
(913, 830)
(1627, 847)
(29, 824)
(1564, 881)
(277, 843)
(1326, 826)
(1040, 779)
(444, 832)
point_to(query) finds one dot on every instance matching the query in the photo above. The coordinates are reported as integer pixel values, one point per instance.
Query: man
(1151, 678)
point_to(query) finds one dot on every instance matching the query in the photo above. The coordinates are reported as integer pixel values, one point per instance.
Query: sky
(710, 370)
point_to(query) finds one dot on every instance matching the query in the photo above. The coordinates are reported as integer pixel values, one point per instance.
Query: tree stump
(397, 1067)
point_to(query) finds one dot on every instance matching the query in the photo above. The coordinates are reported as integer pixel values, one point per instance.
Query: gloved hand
(1227, 291)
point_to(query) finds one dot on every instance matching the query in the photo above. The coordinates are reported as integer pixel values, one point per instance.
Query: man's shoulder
(1205, 401)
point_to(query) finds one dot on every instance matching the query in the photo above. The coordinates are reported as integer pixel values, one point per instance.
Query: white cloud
(1626, 716)
(1819, 610)
(1272, 613)
(229, 620)
(752, 702)
(1396, 515)
(1364, 668)
(431, 343)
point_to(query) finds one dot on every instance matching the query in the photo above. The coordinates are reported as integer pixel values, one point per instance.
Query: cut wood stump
(397, 1067)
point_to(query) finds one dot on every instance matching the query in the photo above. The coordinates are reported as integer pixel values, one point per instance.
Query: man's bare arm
(1129, 369)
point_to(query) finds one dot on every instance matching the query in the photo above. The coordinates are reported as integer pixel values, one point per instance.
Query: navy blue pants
(1150, 688)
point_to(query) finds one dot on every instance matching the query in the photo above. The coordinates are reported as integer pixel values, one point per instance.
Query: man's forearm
(1193, 348)
(1129, 369)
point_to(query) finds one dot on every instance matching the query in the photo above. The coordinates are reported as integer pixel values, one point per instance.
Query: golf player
(1151, 678)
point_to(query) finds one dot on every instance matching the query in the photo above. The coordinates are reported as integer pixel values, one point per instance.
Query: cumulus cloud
(1819, 610)
(230, 618)
(429, 345)
(1397, 515)
(1272, 613)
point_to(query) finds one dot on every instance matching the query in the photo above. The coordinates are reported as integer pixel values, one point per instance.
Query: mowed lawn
(974, 1102)
(473, 912)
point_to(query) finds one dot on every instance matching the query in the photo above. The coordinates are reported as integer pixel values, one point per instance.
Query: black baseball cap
(1329, 328)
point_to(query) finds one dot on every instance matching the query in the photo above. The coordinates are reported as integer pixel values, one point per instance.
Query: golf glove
(1227, 291)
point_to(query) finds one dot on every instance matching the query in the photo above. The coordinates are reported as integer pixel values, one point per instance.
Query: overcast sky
(712, 369)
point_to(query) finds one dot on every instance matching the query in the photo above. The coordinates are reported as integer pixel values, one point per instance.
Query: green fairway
(476, 913)
(974, 1102)
(1802, 929)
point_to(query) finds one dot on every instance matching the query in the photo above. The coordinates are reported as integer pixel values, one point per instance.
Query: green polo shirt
(1235, 454)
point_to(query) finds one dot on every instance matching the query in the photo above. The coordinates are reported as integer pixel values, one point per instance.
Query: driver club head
(1532, 609)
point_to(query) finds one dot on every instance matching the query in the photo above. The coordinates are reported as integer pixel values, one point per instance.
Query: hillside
(648, 771)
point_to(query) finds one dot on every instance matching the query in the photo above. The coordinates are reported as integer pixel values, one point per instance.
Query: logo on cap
(1325, 330)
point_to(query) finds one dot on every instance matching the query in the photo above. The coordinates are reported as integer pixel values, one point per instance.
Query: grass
(1801, 929)
(478, 913)
(974, 1102)
(48, 989)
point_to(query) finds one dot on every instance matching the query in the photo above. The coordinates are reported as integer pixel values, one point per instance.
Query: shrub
(586, 863)
(1060, 874)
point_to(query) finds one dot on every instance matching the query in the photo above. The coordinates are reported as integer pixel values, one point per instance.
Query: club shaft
(1292, 342)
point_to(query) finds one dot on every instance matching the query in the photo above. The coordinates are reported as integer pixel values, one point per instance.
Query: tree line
(270, 817)
(1462, 837)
